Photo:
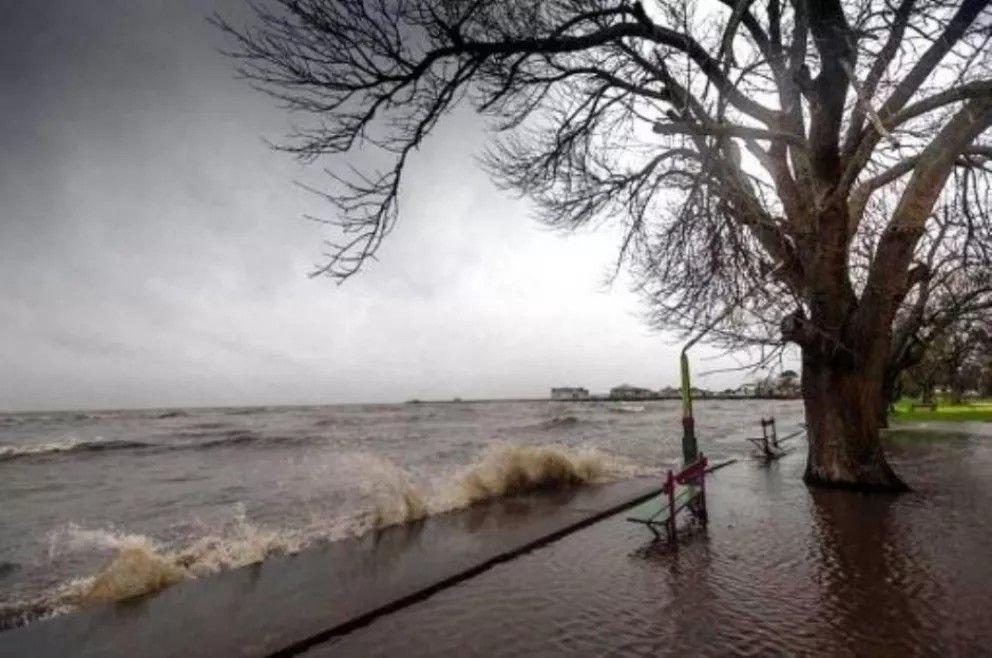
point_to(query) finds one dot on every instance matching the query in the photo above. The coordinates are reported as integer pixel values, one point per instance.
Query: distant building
(670, 392)
(569, 393)
(747, 391)
(628, 392)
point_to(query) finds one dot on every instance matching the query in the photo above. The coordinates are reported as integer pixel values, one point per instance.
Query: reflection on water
(779, 571)
(872, 582)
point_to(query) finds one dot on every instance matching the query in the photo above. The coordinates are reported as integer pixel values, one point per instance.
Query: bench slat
(656, 510)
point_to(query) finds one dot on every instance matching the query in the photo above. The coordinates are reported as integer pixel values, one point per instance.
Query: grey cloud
(153, 250)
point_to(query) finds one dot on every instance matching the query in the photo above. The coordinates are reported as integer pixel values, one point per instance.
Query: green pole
(689, 449)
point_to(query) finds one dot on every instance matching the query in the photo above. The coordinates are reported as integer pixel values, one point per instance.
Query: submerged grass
(973, 410)
(904, 436)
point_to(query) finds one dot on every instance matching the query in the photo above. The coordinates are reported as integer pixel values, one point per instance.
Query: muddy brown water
(779, 571)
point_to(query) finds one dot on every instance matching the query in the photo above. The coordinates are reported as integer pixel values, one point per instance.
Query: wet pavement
(780, 571)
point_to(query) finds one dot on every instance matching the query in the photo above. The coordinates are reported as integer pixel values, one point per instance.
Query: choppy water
(97, 505)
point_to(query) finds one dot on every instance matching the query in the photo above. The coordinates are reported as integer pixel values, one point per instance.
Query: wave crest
(626, 409)
(559, 422)
(134, 571)
(515, 469)
(69, 445)
(230, 438)
(505, 469)
(138, 565)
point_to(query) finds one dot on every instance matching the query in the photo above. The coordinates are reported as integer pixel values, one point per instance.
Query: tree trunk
(957, 392)
(888, 397)
(842, 403)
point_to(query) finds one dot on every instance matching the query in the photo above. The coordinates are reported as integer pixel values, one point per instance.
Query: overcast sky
(153, 251)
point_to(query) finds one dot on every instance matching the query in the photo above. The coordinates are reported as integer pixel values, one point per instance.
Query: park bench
(769, 444)
(681, 490)
(932, 406)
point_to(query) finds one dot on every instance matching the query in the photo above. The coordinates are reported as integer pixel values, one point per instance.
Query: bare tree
(739, 143)
(953, 262)
(954, 296)
(956, 361)
(985, 362)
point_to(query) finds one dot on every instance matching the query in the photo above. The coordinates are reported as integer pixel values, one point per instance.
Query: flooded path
(780, 570)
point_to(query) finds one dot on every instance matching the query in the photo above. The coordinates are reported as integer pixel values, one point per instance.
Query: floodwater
(780, 570)
(98, 506)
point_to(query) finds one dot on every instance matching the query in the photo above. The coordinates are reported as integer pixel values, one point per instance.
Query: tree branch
(888, 271)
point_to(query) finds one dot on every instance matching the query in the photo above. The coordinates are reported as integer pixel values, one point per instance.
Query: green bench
(769, 445)
(657, 512)
(680, 490)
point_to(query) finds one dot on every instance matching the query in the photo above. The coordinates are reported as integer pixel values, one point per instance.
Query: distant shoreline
(650, 399)
(199, 407)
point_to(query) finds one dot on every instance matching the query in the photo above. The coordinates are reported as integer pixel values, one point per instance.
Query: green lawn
(975, 410)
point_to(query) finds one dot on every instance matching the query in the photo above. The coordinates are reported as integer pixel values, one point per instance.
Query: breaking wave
(505, 469)
(564, 422)
(140, 565)
(559, 422)
(244, 437)
(626, 408)
(221, 439)
(137, 564)
(514, 469)
(69, 445)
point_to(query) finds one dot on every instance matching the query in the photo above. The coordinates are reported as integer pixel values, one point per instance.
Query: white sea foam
(70, 444)
(138, 564)
(39, 448)
(503, 469)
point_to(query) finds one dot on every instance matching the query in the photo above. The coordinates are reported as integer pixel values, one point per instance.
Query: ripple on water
(779, 571)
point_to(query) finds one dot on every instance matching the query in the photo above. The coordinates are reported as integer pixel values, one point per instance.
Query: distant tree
(788, 382)
(957, 362)
(788, 376)
(985, 382)
(919, 381)
(742, 149)
(954, 293)
(985, 365)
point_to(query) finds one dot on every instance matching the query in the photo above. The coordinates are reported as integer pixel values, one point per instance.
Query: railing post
(670, 485)
(689, 448)
(704, 515)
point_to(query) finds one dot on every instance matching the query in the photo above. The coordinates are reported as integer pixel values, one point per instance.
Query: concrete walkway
(284, 605)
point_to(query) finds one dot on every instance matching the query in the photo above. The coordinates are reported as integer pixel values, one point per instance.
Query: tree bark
(842, 402)
(888, 397)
